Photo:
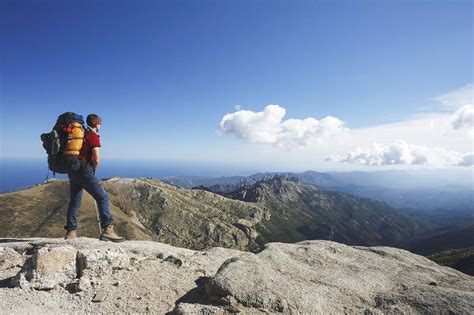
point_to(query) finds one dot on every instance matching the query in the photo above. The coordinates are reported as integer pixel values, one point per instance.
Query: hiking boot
(109, 235)
(70, 235)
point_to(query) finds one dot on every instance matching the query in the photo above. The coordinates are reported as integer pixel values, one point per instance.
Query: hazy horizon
(21, 173)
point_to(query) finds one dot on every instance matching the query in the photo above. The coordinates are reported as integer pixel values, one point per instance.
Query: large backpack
(64, 143)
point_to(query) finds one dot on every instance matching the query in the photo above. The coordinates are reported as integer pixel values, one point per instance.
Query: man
(85, 179)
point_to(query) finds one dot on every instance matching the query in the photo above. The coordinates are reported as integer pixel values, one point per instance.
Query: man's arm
(95, 157)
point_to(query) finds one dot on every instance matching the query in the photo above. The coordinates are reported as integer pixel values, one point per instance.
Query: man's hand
(95, 157)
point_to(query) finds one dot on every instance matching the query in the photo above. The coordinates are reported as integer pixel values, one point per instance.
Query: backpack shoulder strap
(86, 132)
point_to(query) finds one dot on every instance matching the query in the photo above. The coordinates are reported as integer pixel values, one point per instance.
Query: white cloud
(431, 130)
(403, 153)
(457, 98)
(261, 127)
(430, 138)
(268, 127)
(463, 117)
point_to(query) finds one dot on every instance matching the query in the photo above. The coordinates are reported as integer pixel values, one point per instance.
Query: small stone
(176, 261)
(72, 287)
(98, 297)
(116, 284)
(161, 255)
(232, 309)
(433, 283)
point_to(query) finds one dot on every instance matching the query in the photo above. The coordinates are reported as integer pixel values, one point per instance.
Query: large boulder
(48, 267)
(328, 277)
(48, 261)
(65, 265)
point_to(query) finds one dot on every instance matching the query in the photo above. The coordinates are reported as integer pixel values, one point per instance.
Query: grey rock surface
(131, 277)
(328, 277)
(307, 277)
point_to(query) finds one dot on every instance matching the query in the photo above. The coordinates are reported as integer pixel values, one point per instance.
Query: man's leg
(75, 198)
(94, 187)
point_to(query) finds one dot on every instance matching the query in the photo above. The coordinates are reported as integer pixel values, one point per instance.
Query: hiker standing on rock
(85, 178)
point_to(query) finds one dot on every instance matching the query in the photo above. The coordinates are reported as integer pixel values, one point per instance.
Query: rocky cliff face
(89, 276)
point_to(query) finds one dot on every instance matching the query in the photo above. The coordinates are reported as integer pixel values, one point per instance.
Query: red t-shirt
(91, 140)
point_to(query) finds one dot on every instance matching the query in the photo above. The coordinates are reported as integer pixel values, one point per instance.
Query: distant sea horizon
(21, 173)
(17, 174)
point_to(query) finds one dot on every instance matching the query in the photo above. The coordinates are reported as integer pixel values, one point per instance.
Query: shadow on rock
(12, 240)
(196, 295)
(6, 283)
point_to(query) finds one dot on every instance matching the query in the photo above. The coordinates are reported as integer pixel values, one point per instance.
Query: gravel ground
(160, 276)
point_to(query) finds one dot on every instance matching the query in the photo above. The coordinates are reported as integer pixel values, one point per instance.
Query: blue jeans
(86, 179)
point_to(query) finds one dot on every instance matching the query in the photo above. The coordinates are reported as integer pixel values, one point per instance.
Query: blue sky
(163, 74)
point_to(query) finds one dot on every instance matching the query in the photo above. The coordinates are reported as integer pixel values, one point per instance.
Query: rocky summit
(87, 276)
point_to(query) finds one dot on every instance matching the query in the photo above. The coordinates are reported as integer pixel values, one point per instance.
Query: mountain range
(439, 200)
(301, 212)
(276, 208)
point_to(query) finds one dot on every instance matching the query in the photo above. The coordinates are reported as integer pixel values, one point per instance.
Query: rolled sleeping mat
(75, 140)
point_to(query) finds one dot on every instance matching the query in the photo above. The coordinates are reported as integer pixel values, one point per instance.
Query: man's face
(98, 126)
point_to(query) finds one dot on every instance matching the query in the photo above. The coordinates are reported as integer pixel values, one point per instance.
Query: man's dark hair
(93, 120)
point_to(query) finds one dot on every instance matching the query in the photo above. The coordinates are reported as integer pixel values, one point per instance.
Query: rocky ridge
(40, 211)
(190, 218)
(86, 275)
(301, 212)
